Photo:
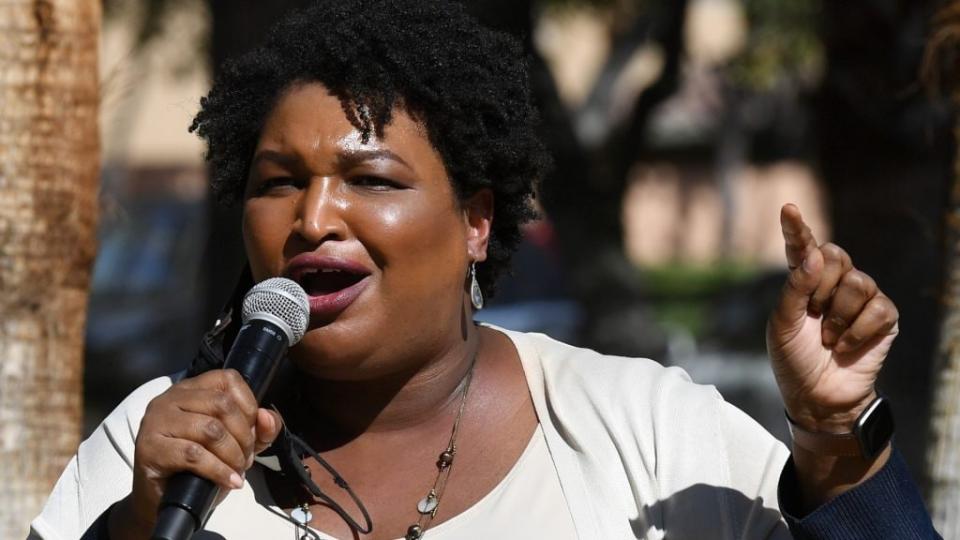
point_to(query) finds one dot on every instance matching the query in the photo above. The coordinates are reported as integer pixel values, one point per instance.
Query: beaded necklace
(427, 507)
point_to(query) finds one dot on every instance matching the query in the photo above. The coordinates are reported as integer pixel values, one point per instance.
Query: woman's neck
(331, 413)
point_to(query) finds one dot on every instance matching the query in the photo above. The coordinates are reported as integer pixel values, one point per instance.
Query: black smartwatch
(871, 433)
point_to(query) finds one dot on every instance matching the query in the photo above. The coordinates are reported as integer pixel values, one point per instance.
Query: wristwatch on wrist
(871, 433)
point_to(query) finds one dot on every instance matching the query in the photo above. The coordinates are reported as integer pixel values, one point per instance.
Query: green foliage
(782, 45)
(681, 294)
(671, 280)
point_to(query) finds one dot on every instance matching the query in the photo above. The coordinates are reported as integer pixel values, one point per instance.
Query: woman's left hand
(830, 333)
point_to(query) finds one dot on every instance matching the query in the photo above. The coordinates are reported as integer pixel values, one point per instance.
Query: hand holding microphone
(197, 439)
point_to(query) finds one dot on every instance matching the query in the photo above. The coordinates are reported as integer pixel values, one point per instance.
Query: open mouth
(321, 282)
(332, 284)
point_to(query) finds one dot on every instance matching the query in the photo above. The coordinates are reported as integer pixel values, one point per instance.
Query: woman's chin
(334, 351)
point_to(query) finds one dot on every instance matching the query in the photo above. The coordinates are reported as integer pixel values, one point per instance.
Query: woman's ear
(478, 217)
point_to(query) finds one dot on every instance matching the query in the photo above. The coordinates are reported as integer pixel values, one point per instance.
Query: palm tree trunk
(941, 75)
(944, 454)
(49, 167)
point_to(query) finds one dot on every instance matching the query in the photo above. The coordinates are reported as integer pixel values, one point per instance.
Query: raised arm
(827, 340)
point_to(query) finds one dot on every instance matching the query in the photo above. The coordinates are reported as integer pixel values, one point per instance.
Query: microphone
(275, 316)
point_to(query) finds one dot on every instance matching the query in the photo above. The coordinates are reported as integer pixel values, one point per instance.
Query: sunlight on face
(373, 231)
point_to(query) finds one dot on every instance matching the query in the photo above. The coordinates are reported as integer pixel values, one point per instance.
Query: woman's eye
(375, 183)
(274, 184)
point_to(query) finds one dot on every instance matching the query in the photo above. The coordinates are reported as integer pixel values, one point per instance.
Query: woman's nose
(320, 212)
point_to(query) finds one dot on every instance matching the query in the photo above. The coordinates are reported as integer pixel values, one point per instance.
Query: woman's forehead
(308, 119)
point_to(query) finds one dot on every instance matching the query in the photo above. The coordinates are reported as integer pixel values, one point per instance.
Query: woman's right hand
(209, 425)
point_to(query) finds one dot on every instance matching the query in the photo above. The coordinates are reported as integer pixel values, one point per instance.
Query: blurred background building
(680, 127)
(147, 290)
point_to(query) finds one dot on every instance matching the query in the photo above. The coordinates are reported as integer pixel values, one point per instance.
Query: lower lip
(324, 307)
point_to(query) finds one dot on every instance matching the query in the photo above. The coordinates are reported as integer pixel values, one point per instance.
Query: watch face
(875, 427)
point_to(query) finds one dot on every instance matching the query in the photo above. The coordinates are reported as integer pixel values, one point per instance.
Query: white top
(639, 452)
(528, 503)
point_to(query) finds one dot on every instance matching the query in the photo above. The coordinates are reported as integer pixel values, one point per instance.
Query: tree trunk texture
(886, 154)
(944, 454)
(49, 166)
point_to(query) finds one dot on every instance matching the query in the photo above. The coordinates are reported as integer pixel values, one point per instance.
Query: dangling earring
(476, 295)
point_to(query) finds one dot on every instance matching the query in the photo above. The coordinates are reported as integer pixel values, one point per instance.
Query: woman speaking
(385, 156)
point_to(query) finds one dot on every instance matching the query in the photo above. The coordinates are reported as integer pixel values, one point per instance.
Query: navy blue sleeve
(886, 506)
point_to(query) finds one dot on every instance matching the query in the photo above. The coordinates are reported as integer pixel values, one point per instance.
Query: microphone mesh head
(282, 302)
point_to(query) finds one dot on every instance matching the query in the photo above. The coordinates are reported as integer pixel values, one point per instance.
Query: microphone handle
(256, 353)
(188, 498)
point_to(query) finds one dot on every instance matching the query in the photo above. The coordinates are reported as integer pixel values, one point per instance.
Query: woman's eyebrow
(276, 157)
(345, 158)
(352, 157)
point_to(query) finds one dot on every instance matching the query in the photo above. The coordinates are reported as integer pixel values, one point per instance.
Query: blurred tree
(594, 149)
(885, 151)
(49, 161)
(944, 453)
(942, 74)
(150, 16)
(782, 45)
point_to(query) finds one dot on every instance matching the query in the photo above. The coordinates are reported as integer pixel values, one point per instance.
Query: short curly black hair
(466, 83)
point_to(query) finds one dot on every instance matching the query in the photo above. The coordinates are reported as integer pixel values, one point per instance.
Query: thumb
(269, 423)
(795, 298)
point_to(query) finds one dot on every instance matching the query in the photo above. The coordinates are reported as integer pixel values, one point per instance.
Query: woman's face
(372, 231)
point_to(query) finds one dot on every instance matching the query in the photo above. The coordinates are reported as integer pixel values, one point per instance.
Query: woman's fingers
(853, 292)
(215, 405)
(236, 395)
(205, 425)
(181, 455)
(853, 309)
(215, 411)
(807, 264)
(268, 427)
(878, 318)
(214, 435)
(787, 317)
(797, 236)
(836, 263)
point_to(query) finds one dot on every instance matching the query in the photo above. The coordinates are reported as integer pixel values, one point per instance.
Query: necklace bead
(446, 459)
(428, 504)
(301, 515)
(414, 532)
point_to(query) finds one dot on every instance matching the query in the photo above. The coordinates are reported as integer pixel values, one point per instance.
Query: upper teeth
(309, 271)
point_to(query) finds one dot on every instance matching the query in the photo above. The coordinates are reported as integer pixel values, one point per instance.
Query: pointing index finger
(798, 239)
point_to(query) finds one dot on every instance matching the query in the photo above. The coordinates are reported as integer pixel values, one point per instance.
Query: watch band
(829, 444)
(871, 433)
